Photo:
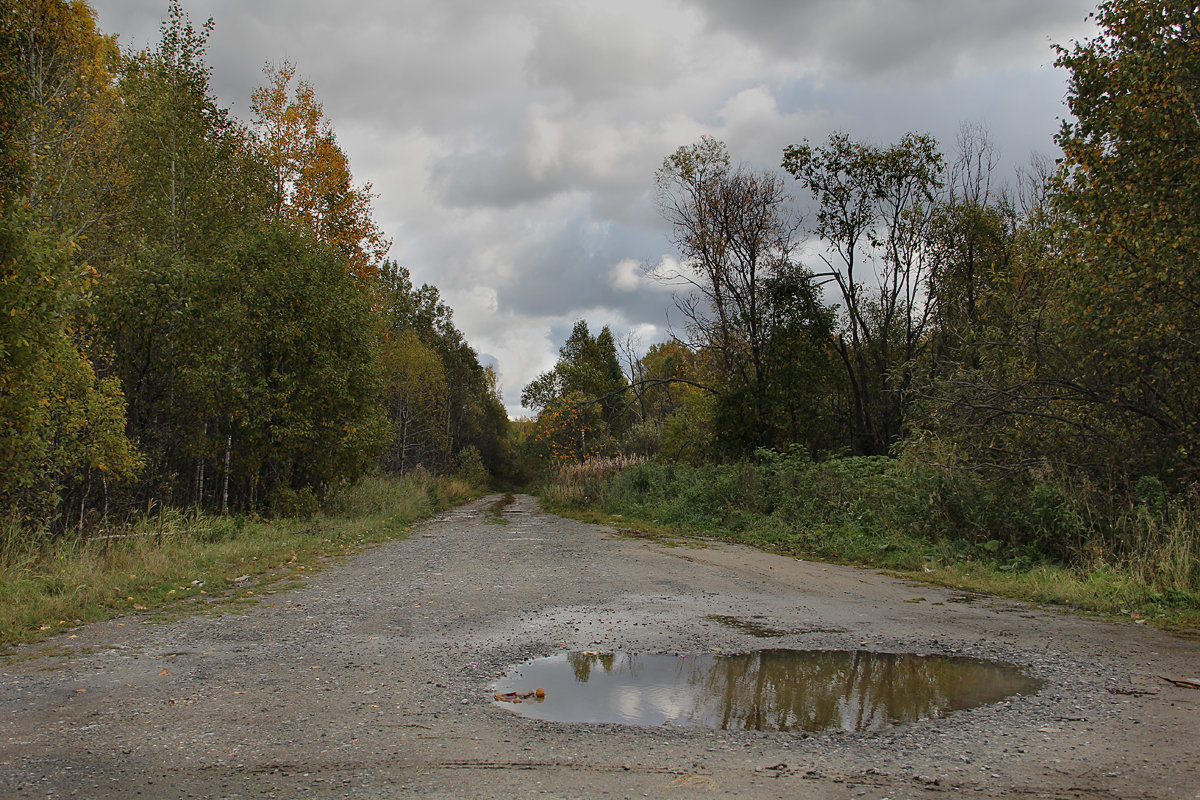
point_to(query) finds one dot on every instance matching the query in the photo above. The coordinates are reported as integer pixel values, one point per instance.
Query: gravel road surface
(375, 680)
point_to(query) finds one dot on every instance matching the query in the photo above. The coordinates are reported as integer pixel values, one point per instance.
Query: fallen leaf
(165, 671)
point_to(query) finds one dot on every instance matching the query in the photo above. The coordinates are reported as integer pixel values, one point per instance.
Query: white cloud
(625, 275)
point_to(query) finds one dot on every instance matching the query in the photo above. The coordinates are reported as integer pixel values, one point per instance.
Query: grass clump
(495, 512)
(182, 561)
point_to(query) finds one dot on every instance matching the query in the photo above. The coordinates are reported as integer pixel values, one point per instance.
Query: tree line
(198, 310)
(1043, 323)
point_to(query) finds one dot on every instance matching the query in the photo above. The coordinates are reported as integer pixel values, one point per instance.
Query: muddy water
(779, 690)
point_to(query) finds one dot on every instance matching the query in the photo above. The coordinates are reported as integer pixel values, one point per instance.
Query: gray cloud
(600, 52)
(908, 38)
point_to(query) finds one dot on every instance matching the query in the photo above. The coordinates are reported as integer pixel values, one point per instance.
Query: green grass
(1048, 542)
(177, 563)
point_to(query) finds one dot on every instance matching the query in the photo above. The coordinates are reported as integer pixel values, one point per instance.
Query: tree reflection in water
(780, 690)
(583, 661)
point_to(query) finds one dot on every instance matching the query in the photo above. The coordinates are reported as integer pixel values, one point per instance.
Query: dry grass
(596, 468)
(185, 562)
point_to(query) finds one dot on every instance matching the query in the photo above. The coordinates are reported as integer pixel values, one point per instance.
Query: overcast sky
(513, 143)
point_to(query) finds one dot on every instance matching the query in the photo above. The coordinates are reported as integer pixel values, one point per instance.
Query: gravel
(374, 680)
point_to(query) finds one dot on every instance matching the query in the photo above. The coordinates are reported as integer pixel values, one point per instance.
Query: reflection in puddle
(775, 690)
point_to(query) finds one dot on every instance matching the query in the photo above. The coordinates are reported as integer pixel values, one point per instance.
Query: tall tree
(287, 348)
(456, 393)
(972, 234)
(68, 71)
(875, 206)
(192, 185)
(580, 401)
(736, 231)
(415, 395)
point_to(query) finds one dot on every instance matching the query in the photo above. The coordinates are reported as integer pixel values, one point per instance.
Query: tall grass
(183, 560)
(1046, 538)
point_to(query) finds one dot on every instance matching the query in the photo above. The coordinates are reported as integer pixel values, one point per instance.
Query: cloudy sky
(513, 143)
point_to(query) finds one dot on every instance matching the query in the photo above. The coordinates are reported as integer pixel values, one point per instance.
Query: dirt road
(373, 681)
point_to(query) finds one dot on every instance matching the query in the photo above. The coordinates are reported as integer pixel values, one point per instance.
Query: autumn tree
(440, 399)
(1089, 361)
(414, 396)
(663, 376)
(310, 173)
(678, 409)
(67, 70)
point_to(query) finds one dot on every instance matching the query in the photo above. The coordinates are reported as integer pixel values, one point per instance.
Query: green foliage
(581, 400)
(1131, 183)
(901, 514)
(61, 426)
(222, 311)
(587, 365)
(191, 176)
(469, 466)
(294, 362)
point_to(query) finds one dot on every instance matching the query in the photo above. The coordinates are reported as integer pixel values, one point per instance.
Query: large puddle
(769, 690)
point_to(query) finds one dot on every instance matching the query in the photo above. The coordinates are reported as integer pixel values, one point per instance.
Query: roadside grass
(175, 562)
(1050, 543)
